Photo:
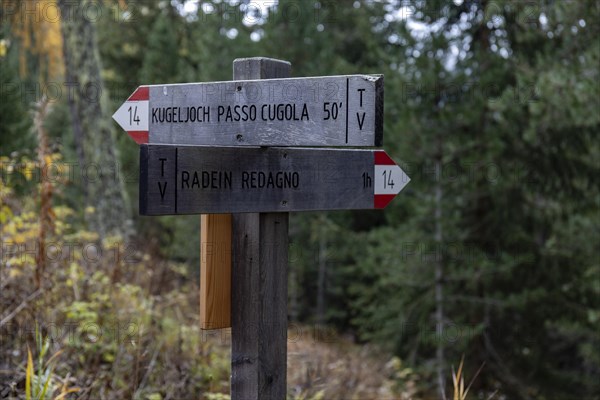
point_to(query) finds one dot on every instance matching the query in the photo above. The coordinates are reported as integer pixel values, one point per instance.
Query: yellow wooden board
(215, 271)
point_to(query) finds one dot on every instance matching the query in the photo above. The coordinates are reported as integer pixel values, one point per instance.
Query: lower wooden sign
(212, 180)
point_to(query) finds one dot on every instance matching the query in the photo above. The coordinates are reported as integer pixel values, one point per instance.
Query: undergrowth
(112, 320)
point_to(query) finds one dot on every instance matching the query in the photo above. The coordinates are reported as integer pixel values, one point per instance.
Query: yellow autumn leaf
(14, 273)
(3, 47)
(28, 374)
(19, 238)
(9, 229)
(5, 214)
(62, 211)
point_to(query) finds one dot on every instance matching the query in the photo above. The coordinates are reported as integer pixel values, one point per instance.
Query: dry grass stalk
(42, 108)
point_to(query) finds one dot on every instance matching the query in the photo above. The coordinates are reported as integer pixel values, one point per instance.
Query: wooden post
(259, 283)
(215, 271)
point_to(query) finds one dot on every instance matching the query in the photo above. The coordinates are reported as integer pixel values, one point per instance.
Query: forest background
(491, 253)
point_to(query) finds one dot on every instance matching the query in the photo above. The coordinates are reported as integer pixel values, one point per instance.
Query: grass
(458, 382)
(40, 381)
(324, 365)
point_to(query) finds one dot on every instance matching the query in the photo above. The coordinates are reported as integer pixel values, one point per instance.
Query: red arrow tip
(141, 93)
(382, 200)
(140, 137)
(381, 158)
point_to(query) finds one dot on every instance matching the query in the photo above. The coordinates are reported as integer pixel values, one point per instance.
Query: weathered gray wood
(194, 179)
(259, 284)
(261, 68)
(312, 111)
(245, 306)
(259, 306)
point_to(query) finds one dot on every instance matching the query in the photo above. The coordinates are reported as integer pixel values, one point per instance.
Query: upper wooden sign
(212, 180)
(315, 111)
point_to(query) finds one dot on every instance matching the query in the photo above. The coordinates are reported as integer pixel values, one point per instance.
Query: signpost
(317, 111)
(259, 283)
(199, 154)
(193, 179)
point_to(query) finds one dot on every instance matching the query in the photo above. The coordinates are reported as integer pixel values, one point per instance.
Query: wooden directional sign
(316, 111)
(196, 179)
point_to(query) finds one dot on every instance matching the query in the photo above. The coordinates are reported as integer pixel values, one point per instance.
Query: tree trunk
(439, 272)
(107, 210)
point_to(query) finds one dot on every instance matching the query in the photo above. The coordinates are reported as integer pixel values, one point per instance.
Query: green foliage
(161, 53)
(106, 305)
(15, 133)
(512, 125)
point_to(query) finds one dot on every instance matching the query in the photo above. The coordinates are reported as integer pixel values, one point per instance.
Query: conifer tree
(107, 209)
